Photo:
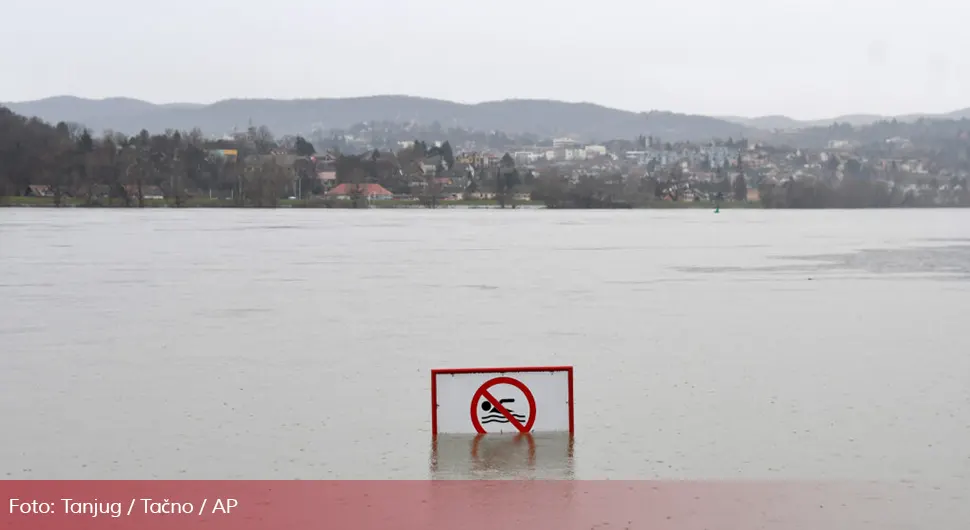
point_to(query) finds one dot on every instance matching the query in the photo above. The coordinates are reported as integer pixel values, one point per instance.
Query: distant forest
(71, 161)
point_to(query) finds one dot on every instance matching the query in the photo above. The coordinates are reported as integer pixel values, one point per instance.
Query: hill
(772, 123)
(547, 118)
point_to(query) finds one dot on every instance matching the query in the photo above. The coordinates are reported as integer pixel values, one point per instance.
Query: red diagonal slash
(483, 392)
(508, 415)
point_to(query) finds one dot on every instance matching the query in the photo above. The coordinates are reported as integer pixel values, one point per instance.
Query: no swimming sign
(502, 400)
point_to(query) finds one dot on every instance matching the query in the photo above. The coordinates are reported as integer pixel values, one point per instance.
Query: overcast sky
(807, 59)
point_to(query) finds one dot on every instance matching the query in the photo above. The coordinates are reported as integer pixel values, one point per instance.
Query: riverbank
(68, 202)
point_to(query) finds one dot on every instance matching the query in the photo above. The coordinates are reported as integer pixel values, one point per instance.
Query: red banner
(469, 505)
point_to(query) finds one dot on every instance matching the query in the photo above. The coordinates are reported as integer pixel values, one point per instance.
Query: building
(38, 190)
(595, 150)
(525, 157)
(719, 155)
(369, 191)
(574, 154)
(325, 162)
(149, 193)
(229, 155)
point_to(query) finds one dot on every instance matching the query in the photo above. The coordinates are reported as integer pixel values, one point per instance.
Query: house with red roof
(369, 191)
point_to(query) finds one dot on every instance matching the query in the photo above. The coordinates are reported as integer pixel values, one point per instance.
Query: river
(749, 344)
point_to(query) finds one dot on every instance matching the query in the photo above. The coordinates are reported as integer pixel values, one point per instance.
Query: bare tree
(57, 169)
(432, 192)
(262, 139)
(306, 177)
(358, 194)
(506, 179)
(265, 181)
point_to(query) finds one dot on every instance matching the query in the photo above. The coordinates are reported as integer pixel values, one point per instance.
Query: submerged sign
(502, 400)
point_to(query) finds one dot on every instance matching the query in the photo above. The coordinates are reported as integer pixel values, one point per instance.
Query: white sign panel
(502, 400)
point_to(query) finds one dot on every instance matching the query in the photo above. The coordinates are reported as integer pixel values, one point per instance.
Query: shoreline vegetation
(65, 165)
(69, 202)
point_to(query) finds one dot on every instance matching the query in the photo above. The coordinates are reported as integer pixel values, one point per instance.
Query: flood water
(227, 344)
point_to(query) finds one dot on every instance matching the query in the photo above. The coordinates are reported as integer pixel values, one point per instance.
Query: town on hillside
(67, 165)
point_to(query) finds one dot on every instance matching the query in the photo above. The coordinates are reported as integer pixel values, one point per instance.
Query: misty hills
(544, 118)
(772, 123)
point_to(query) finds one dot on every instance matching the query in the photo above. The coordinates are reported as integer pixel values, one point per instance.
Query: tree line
(68, 160)
(861, 192)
